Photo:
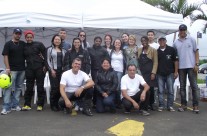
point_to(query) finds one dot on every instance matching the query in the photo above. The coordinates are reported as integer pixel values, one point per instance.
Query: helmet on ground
(5, 81)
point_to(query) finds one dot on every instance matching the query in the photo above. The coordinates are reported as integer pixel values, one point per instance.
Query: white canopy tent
(96, 17)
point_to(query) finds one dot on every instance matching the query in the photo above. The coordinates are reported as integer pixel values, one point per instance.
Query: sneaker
(160, 109)
(171, 109)
(73, 112)
(127, 112)
(39, 108)
(16, 108)
(76, 108)
(87, 112)
(144, 113)
(195, 109)
(4, 112)
(150, 107)
(67, 110)
(182, 108)
(80, 109)
(26, 108)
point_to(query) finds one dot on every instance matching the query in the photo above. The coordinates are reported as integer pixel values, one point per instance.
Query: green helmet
(5, 81)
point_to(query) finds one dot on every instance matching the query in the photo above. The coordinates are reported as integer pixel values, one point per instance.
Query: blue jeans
(118, 90)
(12, 94)
(193, 84)
(102, 102)
(169, 81)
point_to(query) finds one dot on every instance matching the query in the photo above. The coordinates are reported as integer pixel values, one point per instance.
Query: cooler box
(203, 93)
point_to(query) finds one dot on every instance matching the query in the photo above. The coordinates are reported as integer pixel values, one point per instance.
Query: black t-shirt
(15, 52)
(166, 61)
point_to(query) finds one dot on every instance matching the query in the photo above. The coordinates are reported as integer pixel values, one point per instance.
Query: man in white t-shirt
(132, 96)
(76, 85)
(151, 37)
(152, 43)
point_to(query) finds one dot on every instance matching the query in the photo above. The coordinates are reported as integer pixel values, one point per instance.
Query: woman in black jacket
(106, 85)
(35, 70)
(77, 52)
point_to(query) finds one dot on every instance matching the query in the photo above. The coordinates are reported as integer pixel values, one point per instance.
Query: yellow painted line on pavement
(127, 128)
(180, 105)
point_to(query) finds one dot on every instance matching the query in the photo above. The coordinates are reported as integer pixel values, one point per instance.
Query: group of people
(118, 73)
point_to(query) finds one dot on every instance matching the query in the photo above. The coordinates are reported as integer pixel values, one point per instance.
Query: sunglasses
(82, 35)
(182, 30)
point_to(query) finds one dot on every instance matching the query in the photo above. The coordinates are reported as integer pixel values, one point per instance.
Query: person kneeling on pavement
(76, 85)
(132, 96)
(106, 84)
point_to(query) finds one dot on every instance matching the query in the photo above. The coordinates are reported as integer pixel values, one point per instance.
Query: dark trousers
(55, 88)
(143, 105)
(94, 75)
(85, 97)
(193, 84)
(102, 102)
(33, 75)
(152, 96)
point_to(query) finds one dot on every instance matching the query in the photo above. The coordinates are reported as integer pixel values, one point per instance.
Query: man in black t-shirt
(14, 61)
(166, 73)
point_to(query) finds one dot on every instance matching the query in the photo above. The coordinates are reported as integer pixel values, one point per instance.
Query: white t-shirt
(154, 45)
(131, 85)
(73, 81)
(117, 61)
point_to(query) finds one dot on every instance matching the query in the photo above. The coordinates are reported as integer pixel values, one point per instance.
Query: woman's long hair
(52, 41)
(84, 41)
(113, 47)
(111, 40)
(73, 47)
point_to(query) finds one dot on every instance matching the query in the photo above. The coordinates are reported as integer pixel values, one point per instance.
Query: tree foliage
(174, 6)
(179, 7)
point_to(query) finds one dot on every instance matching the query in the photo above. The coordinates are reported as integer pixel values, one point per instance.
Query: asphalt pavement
(48, 123)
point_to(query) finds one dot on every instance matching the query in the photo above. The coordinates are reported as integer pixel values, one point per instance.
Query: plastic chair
(177, 87)
(1, 92)
(24, 87)
(46, 87)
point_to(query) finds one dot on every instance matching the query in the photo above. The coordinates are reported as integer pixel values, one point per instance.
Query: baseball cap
(161, 37)
(183, 27)
(17, 30)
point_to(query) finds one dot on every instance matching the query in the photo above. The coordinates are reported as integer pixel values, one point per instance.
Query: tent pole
(6, 34)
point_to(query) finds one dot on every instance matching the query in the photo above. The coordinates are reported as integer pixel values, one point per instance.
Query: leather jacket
(97, 53)
(83, 55)
(106, 81)
(35, 55)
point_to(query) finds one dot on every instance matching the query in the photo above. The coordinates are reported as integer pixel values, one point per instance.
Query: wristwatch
(197, 64)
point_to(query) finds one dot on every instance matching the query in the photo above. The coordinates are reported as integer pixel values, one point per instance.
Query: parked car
(203, 68)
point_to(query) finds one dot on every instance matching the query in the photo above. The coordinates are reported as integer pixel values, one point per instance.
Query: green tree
(179, 7)
(202, 16)
(174, 6)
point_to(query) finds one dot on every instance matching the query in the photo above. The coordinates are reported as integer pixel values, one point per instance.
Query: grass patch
(201, 81)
